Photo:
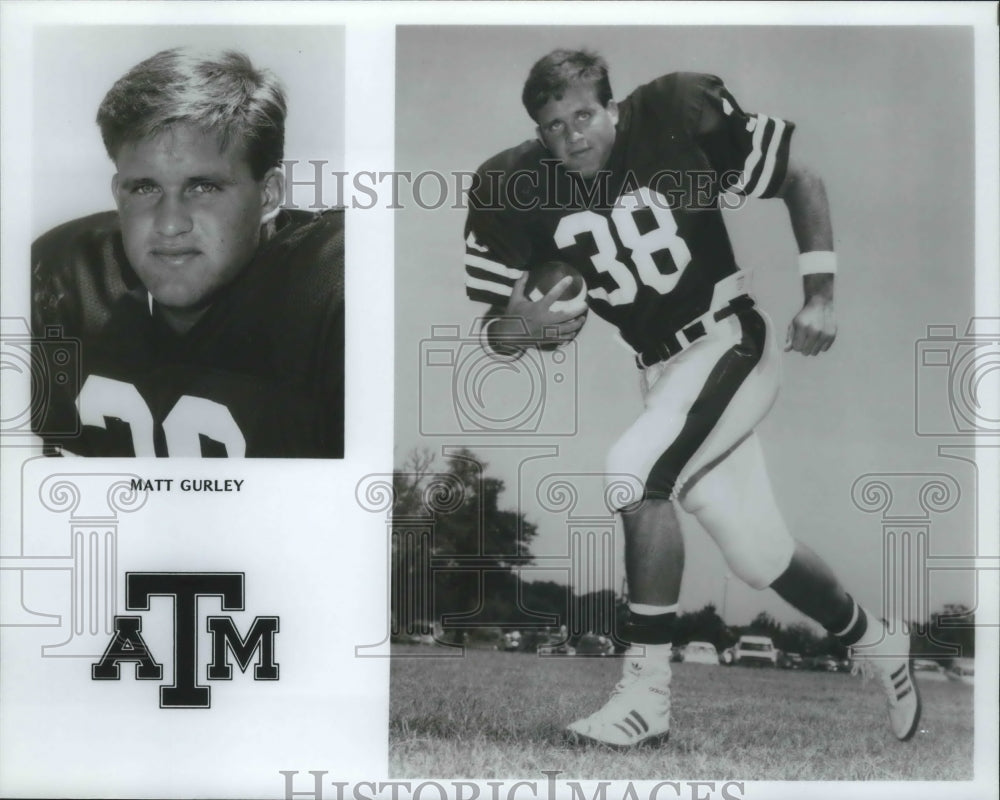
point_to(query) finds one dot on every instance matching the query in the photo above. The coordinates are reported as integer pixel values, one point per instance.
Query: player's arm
(752, 155)
(814, 328)
(497, 246)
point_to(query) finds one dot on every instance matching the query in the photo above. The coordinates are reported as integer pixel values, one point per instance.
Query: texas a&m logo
(185, 588)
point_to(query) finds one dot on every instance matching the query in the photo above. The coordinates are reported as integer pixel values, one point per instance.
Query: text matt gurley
(186, 484)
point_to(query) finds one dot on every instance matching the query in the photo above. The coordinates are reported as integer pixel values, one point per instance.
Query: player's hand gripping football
(534, 322)
(813, 329)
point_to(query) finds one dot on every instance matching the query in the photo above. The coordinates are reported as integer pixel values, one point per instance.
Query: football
(543, 277)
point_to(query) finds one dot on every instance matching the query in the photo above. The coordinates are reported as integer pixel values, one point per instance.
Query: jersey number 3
(659, 255)
(189, 419)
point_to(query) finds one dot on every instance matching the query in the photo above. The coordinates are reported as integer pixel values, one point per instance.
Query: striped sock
(850, 629)
(650, 628)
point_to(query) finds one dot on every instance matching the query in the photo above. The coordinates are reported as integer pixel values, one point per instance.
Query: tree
(704, 625)
(950, 633)
(799, 638)
(765, 625)
(453, 548)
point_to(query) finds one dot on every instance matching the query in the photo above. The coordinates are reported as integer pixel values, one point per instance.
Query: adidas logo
(636, 725)
(901, 682)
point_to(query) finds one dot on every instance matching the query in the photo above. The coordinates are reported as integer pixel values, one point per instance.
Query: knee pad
(735, 504)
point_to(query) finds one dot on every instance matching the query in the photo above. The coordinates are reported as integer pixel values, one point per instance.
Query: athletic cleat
(888, 659)
(637, 714)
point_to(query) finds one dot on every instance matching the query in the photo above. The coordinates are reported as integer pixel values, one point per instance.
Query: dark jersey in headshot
(260, 374)
(647, 232)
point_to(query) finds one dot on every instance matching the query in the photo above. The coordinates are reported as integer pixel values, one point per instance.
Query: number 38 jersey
(259, 374)
(647, 232)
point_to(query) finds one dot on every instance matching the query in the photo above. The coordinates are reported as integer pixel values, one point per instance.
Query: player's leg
(654, 553)
(639, 709)
(688, 396)
(810, 585)
(735, 503)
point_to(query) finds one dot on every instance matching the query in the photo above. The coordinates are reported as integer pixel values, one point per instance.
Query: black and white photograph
(203, 308)
(607, 512)
(491, 401)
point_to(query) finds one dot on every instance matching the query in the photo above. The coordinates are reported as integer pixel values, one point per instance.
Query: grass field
(499, 715)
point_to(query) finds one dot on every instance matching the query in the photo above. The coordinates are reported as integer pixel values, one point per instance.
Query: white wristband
(818, 261)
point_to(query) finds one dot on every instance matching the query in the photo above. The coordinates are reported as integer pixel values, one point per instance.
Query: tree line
(455, 555)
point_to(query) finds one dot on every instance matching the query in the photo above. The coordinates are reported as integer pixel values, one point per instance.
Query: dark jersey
(647, 232)
(261, 373)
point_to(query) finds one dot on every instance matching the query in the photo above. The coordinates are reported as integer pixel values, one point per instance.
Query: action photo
(678, 447)
(196, 310)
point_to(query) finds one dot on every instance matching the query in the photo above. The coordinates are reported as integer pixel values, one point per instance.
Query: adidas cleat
(888, 659)
(637, 714)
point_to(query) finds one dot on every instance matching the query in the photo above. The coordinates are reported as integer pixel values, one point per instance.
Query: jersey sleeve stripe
(500, 290)
(491, 266)
(765, 163)
(746, 182)
(780, 147)
(763, 182)
(487, 277)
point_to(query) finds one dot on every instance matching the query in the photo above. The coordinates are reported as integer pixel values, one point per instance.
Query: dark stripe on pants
(721, 386)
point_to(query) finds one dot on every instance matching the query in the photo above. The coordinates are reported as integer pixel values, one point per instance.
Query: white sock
(654, 652)
(652, 611)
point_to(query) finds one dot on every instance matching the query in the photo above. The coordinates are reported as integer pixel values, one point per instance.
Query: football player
(210, 321)
(629, 194)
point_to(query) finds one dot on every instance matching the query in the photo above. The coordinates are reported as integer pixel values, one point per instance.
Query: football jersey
(261, 373)
(646, 232)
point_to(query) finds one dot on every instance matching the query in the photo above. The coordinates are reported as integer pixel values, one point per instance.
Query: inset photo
(185, 301)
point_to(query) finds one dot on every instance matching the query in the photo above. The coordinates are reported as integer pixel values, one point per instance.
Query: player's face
(578, 130)
(191, 216)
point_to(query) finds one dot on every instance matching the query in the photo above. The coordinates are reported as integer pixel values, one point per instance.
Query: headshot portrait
(202, 309)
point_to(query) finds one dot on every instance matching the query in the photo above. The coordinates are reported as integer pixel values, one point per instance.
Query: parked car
(756, 651)
(962, 670)
(790, 661)
(591, 644)
(699, 653)
(928, 670)
(823, 664)
(556, 650)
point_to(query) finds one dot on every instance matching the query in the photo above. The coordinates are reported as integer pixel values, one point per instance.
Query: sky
(885, 115)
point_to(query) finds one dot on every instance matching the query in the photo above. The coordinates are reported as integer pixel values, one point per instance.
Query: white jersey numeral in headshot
(188, 420)
(193, 417)
(643, 246)
(103, 397)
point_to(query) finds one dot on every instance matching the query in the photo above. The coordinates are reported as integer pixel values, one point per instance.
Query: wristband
(824, 261)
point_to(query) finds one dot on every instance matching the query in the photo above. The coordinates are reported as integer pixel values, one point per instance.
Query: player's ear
(114, 189)
(272, 194)
(612, 109)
